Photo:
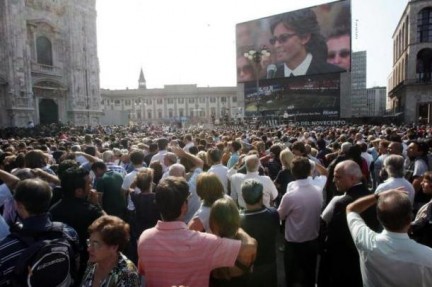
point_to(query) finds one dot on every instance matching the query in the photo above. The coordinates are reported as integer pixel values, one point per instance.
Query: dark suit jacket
(316, 67)
(341, 253)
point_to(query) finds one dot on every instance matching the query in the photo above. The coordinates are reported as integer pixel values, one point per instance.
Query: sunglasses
(247, 69)
(281, 39)
(342, 53)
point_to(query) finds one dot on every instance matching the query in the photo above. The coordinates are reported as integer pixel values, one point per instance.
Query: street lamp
(256, 58)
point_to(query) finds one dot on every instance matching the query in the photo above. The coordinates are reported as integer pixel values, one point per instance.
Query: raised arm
(181, 153)
(51, 178)
(88, 157)
(9, 179)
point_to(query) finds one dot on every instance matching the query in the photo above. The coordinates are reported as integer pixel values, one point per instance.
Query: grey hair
(108, 156)
(394, 165)
(252, 191)
(350, 168)
(252, 163)
(177, 170)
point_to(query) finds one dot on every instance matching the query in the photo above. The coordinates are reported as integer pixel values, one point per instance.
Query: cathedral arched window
(424, 65)
(44, 51)
(424, 25)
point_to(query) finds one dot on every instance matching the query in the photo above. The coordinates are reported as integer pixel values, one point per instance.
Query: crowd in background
(140, 203)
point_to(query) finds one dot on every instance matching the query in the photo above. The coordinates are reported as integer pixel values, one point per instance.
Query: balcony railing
(46, 69)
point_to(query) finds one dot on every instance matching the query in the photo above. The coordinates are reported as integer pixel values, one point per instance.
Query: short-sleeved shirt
(269, 189)
(301, 209)
(389, 258)
(171, 254)
(113, 201)
(397, 182)
(5, 194)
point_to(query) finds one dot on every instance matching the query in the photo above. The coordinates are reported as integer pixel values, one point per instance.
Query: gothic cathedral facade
(49, 68)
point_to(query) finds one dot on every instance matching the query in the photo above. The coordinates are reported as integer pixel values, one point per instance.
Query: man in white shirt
(188, 143)
(214, 157)
(389, 258)
(169, 159)
(252, 164)
(394, 166)
(160, 155)
(300, 207)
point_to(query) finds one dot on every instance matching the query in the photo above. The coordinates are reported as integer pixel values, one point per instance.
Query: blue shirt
(233, 159)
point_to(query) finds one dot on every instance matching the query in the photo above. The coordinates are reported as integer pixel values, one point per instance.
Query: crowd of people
(164, 206)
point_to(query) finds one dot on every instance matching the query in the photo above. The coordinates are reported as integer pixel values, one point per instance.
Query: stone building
(49, 68)
(376, 101)
(410, 83)
(188, 104)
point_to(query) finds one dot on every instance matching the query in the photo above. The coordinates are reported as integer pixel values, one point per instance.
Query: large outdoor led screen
(298, 98)
(309, 41)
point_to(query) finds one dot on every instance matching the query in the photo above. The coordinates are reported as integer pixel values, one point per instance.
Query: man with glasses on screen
(339, 48)
(298, 46)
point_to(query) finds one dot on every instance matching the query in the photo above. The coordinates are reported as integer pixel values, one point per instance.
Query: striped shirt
(11, 247)
(171, 254)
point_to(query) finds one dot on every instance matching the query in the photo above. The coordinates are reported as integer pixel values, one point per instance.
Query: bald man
(252, 164)
(340, 263)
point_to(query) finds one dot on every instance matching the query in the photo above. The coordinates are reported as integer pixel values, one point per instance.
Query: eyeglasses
(281, 39)
(93, 244)
(342, 53)
(247, 69)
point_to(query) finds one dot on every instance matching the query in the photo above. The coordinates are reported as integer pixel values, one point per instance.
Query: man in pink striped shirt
(171, 254)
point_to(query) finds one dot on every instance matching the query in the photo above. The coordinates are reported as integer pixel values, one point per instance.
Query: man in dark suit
(340, 264)
(298, 46)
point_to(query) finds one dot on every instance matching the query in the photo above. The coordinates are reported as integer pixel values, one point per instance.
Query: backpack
(48, 261)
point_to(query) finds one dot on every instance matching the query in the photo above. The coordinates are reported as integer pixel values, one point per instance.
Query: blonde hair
(286, 157)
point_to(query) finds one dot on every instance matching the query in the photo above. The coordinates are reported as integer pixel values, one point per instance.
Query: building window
(181, 113)
(117, 102)
(159, 114)
(202, 100)
(170, 113)
(149, 114)
(159, 101)
(424, 65)
(234, 99)
(149, 101)
(127, 102)
(223, 99)
(191, 100)
(181, 101)
(170, 101)
(191, 113)
(44, 51)
(212, 100)
(213, 111)
(202, 113)
(424, 25)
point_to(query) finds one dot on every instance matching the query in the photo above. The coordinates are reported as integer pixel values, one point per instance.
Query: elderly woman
(107, 266)
(209, 189)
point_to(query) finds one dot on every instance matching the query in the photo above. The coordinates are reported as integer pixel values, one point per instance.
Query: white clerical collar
(301, 69)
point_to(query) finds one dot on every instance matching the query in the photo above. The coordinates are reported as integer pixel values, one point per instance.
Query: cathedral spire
(142, 81)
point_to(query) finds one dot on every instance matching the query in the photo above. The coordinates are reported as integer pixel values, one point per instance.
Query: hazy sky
(193, 41)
